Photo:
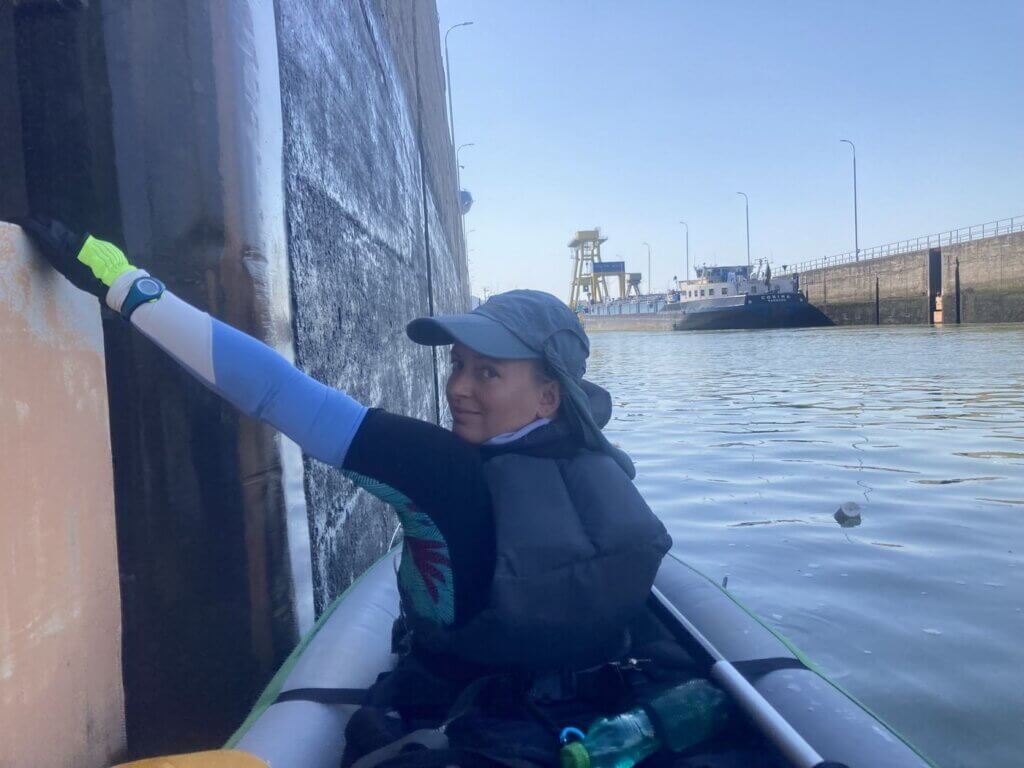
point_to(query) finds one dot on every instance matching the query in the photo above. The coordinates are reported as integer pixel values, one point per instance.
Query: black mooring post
(956, 278)
(878, 313)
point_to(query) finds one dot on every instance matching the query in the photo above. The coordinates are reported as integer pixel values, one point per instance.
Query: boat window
(701, 291)
(725, 291)
(711, 291)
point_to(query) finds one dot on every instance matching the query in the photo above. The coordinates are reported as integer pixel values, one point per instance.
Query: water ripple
(747, 443)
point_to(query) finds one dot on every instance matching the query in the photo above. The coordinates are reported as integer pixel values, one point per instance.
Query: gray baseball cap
(533, 325)
(477, 331)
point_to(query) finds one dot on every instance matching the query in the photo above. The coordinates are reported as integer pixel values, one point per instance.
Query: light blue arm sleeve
(322, 420)
(253, 377)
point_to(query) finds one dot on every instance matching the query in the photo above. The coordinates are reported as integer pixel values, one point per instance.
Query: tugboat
(723, 298)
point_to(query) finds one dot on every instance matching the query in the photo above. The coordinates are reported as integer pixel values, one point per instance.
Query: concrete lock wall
(892, 290)
(61, 699)
(979, 282)
(990, 277)
(284, 166)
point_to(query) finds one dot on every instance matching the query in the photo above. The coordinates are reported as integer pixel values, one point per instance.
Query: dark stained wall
(209, 599)
(12, 163)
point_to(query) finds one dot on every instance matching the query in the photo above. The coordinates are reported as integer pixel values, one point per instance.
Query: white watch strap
(118, 292)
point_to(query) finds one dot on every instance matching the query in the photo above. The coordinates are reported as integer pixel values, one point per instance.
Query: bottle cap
(574, 755)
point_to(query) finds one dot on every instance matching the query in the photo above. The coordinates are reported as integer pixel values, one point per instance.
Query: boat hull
(350, 646)
(786, 310)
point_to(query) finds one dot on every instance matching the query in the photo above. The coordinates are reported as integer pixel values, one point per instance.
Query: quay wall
(975, 282)
(286, 167)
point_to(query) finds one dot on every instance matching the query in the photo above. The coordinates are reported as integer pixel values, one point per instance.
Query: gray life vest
(577, 549)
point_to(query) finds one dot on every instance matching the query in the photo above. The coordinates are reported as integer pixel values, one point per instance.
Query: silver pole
(451, 119)
(856, 234)
(650, 282)
(746, 205)
(687, 248)
(773, 725)
(448, 77)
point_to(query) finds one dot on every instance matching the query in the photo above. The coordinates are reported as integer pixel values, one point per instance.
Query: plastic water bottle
(676, 720)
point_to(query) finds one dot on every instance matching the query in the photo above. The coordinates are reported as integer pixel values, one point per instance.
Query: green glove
(90, 264)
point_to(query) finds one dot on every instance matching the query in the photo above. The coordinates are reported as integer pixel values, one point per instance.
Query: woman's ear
(550, 399)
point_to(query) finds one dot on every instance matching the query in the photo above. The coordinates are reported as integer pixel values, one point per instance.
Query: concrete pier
(662, 321)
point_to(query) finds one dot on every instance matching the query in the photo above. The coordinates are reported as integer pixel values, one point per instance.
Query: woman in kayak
(526, 544)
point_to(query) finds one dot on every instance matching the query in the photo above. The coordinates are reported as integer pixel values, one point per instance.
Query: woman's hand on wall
(90, 264)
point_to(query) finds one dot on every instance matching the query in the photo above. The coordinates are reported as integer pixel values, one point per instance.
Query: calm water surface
(746, 443)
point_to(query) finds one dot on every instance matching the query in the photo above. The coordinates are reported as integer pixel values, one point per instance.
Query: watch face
(148, 287)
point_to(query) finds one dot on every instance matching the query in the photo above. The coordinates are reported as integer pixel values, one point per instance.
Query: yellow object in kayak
(218, 758)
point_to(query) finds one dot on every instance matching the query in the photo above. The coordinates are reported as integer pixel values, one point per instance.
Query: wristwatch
(144, 289)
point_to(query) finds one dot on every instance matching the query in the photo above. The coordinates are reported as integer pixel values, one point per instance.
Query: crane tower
(586, 249)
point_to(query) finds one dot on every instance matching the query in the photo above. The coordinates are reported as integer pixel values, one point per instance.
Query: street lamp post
(457, 151)
(451, 118)
(746, 205)
(650, 282)
(856, 234)
(687, 249)
(448, 75)
(458, 189)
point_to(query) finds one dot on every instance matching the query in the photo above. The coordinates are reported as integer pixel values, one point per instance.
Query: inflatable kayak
(791, 714)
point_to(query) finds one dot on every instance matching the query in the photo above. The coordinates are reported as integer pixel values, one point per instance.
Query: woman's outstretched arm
(247, 373)
(241, 369)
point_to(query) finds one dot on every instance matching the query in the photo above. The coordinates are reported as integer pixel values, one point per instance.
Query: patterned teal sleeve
(425, 573)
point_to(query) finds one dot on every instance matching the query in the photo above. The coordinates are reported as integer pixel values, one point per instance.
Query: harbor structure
(970, 274)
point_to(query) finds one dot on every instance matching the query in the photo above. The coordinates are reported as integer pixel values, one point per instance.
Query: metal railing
(952, 237)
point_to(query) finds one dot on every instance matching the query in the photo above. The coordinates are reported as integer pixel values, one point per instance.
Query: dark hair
(542, 372)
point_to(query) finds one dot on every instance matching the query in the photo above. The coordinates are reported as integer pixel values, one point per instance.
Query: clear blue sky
(633, 115)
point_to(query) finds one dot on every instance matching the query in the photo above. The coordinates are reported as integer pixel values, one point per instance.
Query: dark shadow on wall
(188, 554)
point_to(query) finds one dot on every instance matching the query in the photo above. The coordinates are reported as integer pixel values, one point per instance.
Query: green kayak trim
(804, 659)
(273, 688)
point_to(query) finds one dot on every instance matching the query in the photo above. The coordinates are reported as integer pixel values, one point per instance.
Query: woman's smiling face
(489, 397)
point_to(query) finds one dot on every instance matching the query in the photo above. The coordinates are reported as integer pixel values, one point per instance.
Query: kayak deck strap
(753, 669)
(355, 696)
